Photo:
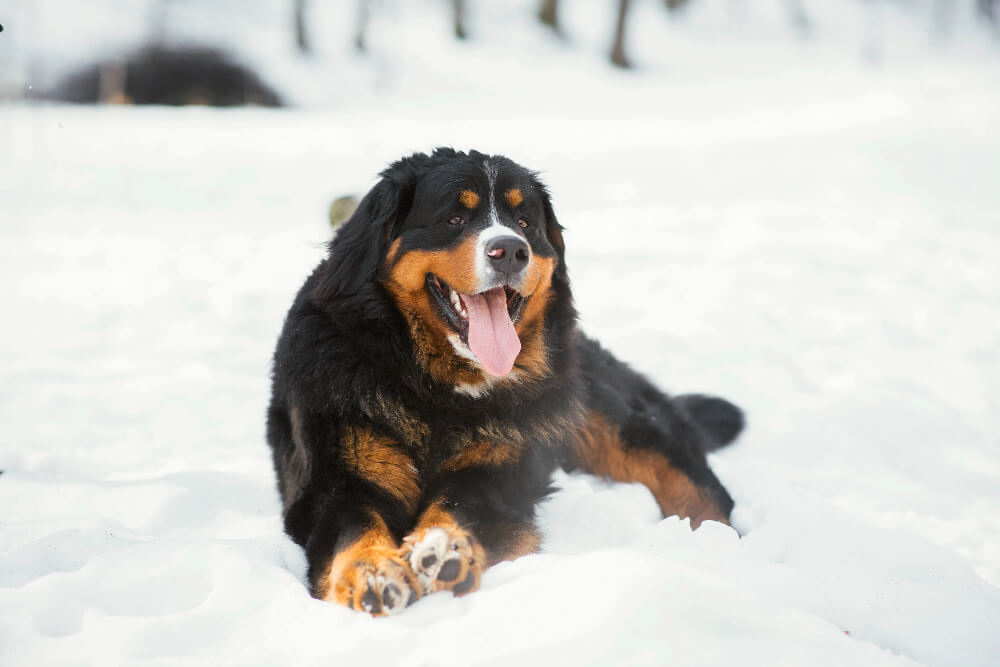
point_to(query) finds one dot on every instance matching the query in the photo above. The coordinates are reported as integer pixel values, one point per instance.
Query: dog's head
(468, 248)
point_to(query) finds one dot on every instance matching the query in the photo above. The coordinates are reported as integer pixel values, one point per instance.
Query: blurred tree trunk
(618, 48)
(361, 28)
(301, 33)
(798, 16)
(159, 18)
(549, 14)
(989, 10)
(943, 20)
(459, 10)
(874, 31)
(364, 18)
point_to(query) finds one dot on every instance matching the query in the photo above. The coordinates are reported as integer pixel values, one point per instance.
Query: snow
(766, 217)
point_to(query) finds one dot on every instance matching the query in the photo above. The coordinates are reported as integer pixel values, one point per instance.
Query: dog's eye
(523, 222)
(456, 220)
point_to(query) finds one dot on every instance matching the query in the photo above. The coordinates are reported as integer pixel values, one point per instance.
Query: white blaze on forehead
(494, 231)
(491, 178)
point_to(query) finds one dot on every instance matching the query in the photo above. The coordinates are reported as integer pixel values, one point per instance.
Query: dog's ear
(553, 230)
(361, 243)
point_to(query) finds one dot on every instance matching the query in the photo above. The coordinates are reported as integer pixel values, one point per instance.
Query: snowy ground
(775, 221)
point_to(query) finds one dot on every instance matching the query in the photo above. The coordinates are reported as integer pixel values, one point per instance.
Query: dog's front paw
(445, 559)
(378, 581)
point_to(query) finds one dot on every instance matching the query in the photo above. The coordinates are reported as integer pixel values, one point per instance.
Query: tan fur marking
(456, 266)
(382, 462)
(533, 359)
(538, 278)
(469, 199)
(482, 454)
(437, 515)
(390, 255)
(406, 282)
(514, 197)
(371, 560)
(598, 449)
(555, 237)
(377, 537)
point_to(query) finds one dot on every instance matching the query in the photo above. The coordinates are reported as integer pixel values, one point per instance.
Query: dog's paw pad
(426, 555)
(444, 559)
(449, 570)
(379, 583)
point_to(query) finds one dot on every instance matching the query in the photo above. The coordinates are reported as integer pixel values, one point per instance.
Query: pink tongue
(491, 333)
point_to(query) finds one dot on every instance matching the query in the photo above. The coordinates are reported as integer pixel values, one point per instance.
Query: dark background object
(171, 76)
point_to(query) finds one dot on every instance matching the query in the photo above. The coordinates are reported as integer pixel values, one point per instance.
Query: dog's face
(470, 264)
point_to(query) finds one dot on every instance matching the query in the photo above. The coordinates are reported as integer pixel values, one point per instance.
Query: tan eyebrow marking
(514, 197)
(469, 199)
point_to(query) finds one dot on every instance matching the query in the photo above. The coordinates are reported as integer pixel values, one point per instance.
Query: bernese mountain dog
(430, 376)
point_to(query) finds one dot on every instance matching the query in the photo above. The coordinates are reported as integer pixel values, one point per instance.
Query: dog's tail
(718, 419)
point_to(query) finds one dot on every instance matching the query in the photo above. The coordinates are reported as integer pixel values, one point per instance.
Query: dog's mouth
(484, 321)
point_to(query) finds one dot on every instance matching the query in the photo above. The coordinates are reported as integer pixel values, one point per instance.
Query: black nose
(508, 255)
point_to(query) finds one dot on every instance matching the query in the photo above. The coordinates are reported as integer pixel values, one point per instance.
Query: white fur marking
(488, 383)
(495, 230)
(435, 542)
(485, 273)
(461, 349)
(472, 391)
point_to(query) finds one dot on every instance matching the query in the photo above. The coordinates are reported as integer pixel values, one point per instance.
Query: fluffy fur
(403, 466)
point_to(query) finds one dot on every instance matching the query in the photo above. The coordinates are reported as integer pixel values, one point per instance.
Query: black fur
(346, 358)
(719, 420)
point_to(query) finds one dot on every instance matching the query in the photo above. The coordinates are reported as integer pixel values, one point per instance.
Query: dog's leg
(480, 511)
(365, 493)
(444, 553)
(633, 432)
(687, 489)
(365, 571)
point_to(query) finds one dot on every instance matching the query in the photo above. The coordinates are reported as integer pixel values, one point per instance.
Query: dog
(430, 377)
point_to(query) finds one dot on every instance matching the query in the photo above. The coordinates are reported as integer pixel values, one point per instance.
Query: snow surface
(766, 217)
